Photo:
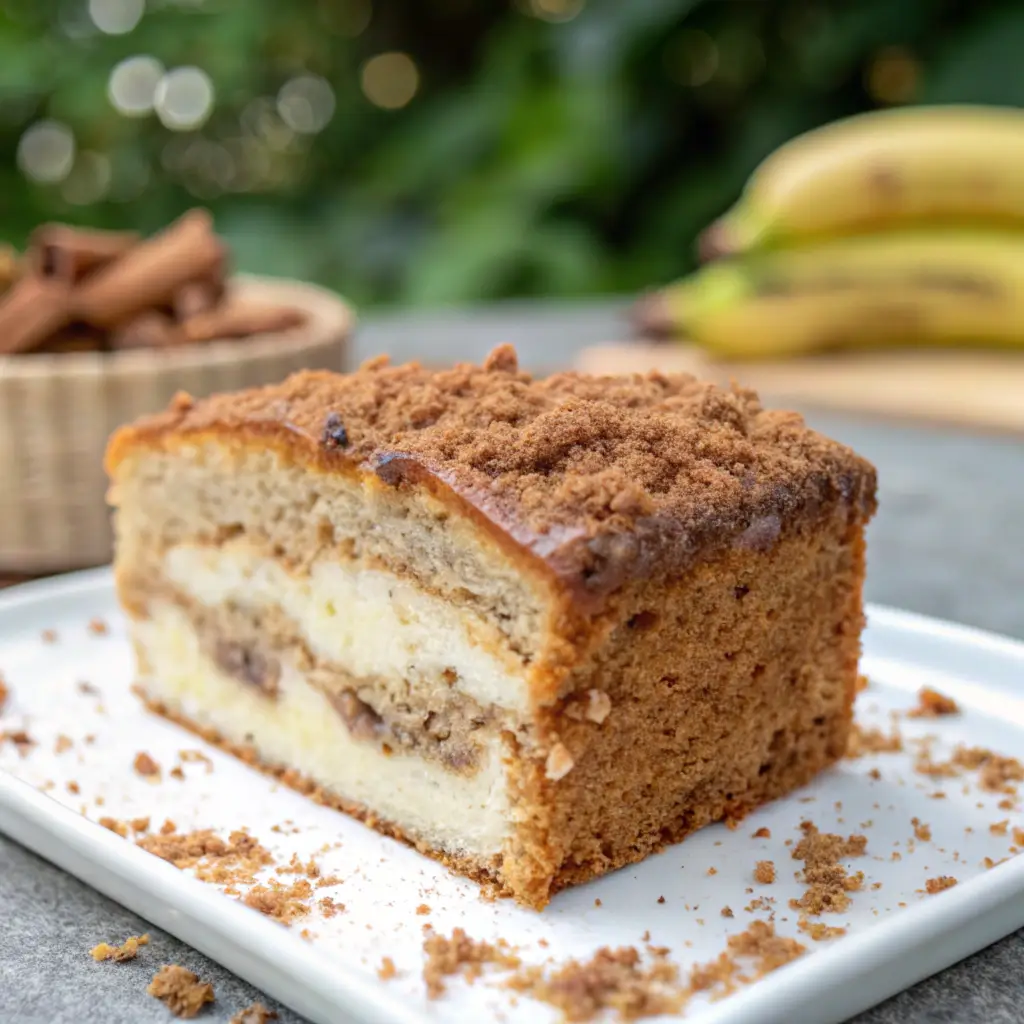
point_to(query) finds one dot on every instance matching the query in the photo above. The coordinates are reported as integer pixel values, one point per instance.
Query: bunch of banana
(896, 227)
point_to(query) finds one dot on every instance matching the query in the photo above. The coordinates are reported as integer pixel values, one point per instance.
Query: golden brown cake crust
(601, 478)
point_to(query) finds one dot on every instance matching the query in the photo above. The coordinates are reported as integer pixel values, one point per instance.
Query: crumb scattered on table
(180, 990)
(387, 969)
(129, 950)
(934, 885)
(762, 833)
(764, 872)
(98, 627)
(49, 636)
(922, 832)
(255, 1014)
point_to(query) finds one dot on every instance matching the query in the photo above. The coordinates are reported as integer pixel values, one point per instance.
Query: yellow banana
(924, 288)
(957, 164)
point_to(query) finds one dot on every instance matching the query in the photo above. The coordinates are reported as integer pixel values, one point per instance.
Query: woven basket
(57, 411)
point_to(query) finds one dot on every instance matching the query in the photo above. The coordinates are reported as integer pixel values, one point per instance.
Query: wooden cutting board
(983, 390)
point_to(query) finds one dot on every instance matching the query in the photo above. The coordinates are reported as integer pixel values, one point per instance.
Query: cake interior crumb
(180, 990)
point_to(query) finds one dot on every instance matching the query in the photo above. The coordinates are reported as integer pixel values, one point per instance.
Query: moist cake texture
(537, 628)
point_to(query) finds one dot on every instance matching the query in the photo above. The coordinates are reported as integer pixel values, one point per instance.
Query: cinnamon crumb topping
(129, 950)
(764, 872)
(114, 825)
(591, 459)
(934, 885)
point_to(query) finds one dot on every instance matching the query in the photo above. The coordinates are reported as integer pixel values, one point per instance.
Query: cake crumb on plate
(932, 704)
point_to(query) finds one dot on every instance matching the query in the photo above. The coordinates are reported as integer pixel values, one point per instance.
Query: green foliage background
(538, 157)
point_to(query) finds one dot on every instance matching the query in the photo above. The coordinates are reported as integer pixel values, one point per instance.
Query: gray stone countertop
(948, 541)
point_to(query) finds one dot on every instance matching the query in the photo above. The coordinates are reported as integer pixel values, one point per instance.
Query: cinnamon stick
(149, 275)
(151, 329)
(10, 266)
(70, 254)
(74, 338)
(194, 298)
(30, 312)
(235, 320)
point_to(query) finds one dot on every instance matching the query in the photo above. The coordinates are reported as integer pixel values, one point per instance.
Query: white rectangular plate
(896, 934)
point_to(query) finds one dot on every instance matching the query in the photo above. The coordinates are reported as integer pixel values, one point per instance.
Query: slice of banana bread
(537, 628)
